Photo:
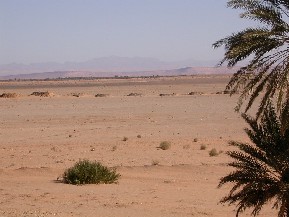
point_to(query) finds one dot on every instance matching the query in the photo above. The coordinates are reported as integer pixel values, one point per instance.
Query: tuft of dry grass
(155, 163)
(114, 148)
(186, 146)
(125, 139)
(213, 152)
(165, 145)
(203, 147)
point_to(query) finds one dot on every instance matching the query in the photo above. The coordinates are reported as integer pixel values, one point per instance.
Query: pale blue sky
(78, 30)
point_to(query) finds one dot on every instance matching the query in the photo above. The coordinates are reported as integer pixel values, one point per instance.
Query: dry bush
(186, 146)
(155, 163)
(203, 147)
(125, 139)
(213, 152)
(165, 145)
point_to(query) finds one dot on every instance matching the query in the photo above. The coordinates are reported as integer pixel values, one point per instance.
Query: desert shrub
(213, 152)
(187, 146)
(139, 136)
(155, 163)
(165, 145)
(87, 172)
(124, 139)
(203, 147)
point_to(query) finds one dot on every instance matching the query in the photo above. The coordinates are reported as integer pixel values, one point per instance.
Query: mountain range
(108, 67)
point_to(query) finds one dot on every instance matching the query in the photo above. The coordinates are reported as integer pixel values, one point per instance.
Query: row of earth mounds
(15, 95)
(101, 95)
(42, 94)
(9, 95)
(133, 94)
(226, 92)
(167, 94)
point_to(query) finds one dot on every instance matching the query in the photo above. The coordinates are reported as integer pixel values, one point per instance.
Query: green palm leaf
(266, 47)
(261, 172)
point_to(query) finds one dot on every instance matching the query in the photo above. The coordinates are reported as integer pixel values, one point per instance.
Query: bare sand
(40, 137)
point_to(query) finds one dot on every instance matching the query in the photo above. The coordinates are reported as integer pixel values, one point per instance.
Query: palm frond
(267, 73)
(261, 172)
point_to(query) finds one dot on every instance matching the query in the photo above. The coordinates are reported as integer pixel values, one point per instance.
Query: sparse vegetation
(195, 139)
(155, 163)
(203, 147)
(125, 139)
(165, 145)
(187, 146)
(139, 136)
(114, 148)
(213, 152)
(87, 172)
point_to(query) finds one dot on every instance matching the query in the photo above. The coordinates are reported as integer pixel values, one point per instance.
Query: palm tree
(267, 49)
(261, 172)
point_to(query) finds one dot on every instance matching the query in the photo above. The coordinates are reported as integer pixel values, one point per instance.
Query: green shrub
(86, 172)
(165, 145)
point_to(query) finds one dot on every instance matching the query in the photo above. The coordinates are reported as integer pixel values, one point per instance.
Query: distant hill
(71, 74)
(104, 64)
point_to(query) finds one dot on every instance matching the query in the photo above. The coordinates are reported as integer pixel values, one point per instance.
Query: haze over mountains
(107, 67)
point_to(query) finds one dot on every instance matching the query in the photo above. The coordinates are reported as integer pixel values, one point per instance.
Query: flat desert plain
(40, 137)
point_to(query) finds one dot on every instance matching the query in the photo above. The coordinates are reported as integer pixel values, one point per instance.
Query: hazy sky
(78, 30)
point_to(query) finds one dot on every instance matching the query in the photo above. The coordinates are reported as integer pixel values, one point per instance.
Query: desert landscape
(47, 126)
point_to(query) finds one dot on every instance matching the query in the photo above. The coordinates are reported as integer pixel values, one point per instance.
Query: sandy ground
(40, 137)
